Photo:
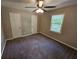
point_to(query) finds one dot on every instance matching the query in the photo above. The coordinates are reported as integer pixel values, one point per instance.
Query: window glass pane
(56, 23)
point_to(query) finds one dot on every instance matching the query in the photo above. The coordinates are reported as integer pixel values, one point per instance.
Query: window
(56, 23)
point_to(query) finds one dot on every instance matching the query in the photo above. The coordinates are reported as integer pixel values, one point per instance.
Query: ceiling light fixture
(39, 10)
(40, 7)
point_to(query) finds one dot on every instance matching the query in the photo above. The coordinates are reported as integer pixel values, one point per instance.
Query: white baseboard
(3, 48)
(59, 41)
(21, 36)
(49, 37)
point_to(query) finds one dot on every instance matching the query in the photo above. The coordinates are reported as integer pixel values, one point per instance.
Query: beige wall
(68, 34)
(5, 20)
(69, 29)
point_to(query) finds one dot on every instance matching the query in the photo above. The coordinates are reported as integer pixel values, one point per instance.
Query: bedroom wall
(69, 29)
(5, 21)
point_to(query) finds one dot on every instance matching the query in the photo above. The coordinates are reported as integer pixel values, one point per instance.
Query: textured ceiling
(21, 4)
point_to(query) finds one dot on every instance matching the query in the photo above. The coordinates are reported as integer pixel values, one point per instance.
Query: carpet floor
(37, 46)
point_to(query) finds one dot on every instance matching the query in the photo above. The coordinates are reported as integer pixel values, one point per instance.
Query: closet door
(29, 24)
(15, 22)
(34, 24)
(26, 24)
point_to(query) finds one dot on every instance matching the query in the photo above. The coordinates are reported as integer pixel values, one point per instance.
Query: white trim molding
(3, 48)
(59, 41)
(21, 36)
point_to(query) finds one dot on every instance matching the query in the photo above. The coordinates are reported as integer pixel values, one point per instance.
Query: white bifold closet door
(23, 24)
(34, 23)
(15, 21)
(26, 24)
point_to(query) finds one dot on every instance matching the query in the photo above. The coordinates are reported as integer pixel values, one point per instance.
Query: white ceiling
(21, 4)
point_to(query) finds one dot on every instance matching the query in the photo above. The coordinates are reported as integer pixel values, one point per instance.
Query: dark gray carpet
(37, 46)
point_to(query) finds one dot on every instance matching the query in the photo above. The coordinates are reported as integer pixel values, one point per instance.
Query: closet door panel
(26, 24)
(34, 23)
(15, 21)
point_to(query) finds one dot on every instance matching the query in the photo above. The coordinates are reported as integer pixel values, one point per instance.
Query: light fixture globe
(39, 10)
